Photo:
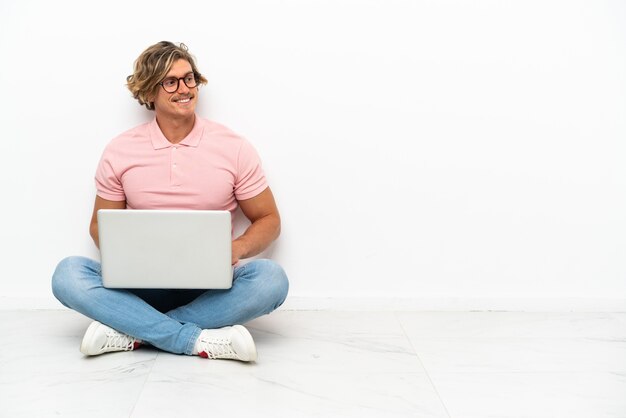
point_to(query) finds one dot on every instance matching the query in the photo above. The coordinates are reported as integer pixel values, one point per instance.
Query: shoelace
(118, 341)
(216, 349)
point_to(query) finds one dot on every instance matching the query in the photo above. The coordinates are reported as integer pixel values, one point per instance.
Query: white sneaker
(101, 339)
(234, 343)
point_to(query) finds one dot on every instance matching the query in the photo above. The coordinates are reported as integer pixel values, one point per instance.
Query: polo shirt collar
(159, 141)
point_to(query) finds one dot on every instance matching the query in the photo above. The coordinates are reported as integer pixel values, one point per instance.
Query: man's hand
(237, 252)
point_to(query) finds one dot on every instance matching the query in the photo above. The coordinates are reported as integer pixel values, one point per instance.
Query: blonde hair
(151, 68)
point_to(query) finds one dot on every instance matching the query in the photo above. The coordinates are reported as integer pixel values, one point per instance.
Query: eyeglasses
(171, 84)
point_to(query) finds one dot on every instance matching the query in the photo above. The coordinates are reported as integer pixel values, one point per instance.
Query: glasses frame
(196, 76)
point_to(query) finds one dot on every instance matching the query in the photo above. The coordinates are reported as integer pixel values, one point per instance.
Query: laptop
(165, 249)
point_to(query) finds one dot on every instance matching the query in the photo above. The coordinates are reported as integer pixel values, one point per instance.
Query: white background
(424, 154)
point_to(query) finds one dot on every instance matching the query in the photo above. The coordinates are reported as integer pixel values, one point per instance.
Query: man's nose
(182, 87)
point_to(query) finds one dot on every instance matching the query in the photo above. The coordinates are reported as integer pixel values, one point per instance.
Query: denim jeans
(170, 319)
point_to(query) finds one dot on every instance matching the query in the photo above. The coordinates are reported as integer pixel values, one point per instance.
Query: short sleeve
(250, 179)
(108, 184)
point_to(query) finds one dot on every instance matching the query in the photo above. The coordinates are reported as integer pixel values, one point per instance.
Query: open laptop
(165, 249)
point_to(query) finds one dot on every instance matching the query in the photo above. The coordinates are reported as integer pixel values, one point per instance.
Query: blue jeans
(168, 319)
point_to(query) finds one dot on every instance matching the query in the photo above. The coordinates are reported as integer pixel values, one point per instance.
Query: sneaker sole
(88, 336)
(248, 341)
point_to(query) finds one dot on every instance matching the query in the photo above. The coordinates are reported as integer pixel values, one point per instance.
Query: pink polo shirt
(210, 169)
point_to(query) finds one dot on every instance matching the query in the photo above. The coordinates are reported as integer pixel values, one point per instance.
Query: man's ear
(150, 99)
(151, 96)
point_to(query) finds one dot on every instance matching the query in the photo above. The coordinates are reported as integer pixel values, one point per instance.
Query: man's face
(181, 103)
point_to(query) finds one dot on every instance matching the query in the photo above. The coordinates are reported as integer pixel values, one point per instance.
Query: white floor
(330, 364)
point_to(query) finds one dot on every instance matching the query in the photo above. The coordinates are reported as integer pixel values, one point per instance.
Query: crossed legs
(171, 320)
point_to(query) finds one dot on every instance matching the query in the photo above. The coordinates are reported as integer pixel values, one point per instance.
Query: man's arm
(261, 210)
(102, 204)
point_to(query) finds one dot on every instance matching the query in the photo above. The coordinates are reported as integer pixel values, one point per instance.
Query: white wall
(444, 154)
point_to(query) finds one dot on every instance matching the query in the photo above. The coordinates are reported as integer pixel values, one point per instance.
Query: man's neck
(175, 130)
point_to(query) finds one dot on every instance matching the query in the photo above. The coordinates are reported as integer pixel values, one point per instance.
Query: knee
(66, 275)
(274, 280)
(60, 277)
(281, 284)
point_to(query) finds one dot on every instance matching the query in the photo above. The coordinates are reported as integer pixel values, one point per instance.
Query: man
(178, 161)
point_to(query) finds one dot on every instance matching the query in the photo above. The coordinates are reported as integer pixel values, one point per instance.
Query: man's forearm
(93, 231)
(259, 235)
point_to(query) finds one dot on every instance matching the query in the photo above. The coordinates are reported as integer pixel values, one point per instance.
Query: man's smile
(183, 99)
